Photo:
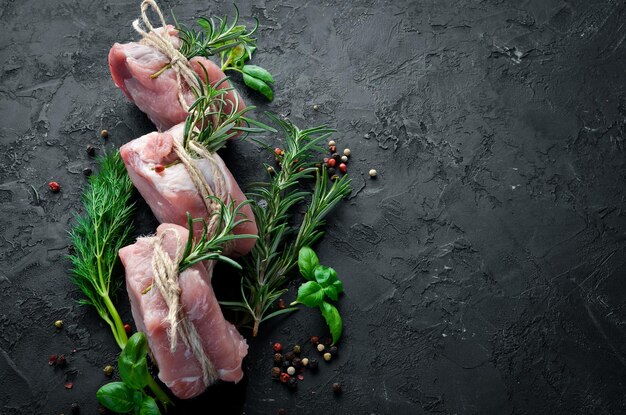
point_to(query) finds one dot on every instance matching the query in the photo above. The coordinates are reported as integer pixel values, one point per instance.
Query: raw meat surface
(222, 343)
(171, 193)
(131, 65)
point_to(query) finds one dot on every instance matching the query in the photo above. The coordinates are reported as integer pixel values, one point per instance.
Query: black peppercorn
(313, 364)
(293, 383)
(289, 356)
(75, 409)
(337, 387)
(91, 151)
(327, 341)
(87, 171)
(337, 157)
(278, 358)
(331, 171)
(315, 340)
(275, 372)
(285, 365)
(333, 350)
(296, 362)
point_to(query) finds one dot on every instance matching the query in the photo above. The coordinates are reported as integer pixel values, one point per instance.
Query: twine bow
(162, 42)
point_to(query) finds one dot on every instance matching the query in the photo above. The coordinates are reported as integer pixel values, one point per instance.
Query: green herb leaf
(149, 406)
(259, 86)
(333, 319)
(97, 236)
(331, 292)
(258, 73)
(338, 286)
(133, 364)
(311, 294)
(116, 396)
(307, 262)
(325, 276)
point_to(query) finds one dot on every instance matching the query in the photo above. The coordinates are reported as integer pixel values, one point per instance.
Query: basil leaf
(325, 275)
(333, 319)
(307, 262)
(149, 407)
(132, 363)
(258, 85)
(338, 286)
(331, 292)
(258, 73)
(116, 396)
(310, 294)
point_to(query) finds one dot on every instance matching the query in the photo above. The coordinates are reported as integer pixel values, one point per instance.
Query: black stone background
(484, 269)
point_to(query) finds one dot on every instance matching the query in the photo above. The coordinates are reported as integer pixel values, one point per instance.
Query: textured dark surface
(484, 269)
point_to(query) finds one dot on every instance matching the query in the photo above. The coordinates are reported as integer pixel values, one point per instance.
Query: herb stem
(158, 392)
(160, 71)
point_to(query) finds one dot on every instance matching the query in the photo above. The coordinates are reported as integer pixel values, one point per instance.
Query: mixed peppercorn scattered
(290, 367)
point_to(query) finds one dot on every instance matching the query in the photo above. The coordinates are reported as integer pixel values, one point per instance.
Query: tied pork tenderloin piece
(132, 65)
(180, 370)
(171, 193)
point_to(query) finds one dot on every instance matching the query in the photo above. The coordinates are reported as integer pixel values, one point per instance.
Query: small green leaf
(331, 292)
(132, 363)
(325, 275)
(333, 319)
(258, 73)
(259, 86)
(149, 406)
(338, 286)
(311, 294)
(116, 396)
(307, 262)
(237, 53)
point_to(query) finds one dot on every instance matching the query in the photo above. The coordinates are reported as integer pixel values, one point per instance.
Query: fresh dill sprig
(211, 124)
(266, 269)
(98, 235)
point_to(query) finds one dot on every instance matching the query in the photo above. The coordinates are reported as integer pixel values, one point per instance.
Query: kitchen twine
(165, 268)
(162, 42)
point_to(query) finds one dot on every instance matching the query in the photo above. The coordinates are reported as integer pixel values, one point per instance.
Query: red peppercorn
(61, 361)
(159, 168)
(331, 163)
(325, 160)
(315, 340)
(278, 151)
(281, 304)
(52, 360)
(127, 328)
(301, 169)
(343, 168)
(278, 347)
(69, 385)
(284, 377)
(333, 149)
(54, 187)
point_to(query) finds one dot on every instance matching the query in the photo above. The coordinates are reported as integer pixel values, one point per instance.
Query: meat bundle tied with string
(190, 190)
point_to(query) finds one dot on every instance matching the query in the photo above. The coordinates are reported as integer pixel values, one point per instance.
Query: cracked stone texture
(483, 269)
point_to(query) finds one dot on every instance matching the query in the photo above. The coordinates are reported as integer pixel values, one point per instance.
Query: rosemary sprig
(210, 124)
(233, 43)
(218, 36)
(211, 247)
(267, 267)
(98, 235)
